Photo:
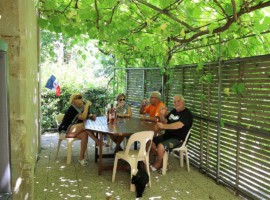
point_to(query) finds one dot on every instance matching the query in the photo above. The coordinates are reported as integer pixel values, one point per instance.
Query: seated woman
(72, 123)
(123, 110)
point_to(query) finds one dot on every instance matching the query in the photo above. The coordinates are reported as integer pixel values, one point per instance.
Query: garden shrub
(52, 105)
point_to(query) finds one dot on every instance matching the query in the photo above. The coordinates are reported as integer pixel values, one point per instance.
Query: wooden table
(123, 127)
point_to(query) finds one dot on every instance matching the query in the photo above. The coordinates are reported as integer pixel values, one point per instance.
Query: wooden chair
(62, 137)
(179, 153)
(134, 156)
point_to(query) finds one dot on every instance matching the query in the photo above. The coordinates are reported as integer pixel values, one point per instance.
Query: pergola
(163, 33)
(227, 88)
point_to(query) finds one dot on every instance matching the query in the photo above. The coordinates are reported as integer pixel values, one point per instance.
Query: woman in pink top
(153, 109)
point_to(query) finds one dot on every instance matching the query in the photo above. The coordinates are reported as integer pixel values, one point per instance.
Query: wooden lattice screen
(230, 138)
(140, 82)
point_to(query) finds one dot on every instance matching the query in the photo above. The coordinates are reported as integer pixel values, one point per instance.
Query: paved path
(56, 180)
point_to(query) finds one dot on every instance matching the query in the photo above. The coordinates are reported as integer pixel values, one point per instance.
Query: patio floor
(54, 179)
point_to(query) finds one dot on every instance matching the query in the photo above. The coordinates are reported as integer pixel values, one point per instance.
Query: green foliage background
(151, 33)
(52, 105)
(77, 68)
(146, 33)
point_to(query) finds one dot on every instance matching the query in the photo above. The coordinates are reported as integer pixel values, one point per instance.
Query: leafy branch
(230, 21)
(166, 12)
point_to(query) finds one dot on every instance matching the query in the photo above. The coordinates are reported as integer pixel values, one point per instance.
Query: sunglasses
(78, 97)
(122, 99)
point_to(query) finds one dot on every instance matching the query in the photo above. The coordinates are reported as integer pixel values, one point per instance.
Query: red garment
(153, 111)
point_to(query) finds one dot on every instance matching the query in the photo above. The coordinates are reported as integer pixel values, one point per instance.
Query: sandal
(153, 169)
(169, 167)
(83, 162)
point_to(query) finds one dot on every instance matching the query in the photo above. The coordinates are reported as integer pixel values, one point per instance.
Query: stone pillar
(18, 28)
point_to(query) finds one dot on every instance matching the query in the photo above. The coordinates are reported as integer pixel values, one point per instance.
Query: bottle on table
(111, 115)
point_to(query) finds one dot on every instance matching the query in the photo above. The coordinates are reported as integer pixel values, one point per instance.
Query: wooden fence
(230, 139)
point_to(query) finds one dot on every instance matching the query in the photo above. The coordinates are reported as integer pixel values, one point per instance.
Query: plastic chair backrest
(143, 137)
(59, 118)
(187, 137)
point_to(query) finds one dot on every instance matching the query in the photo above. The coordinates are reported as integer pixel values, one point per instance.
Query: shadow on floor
(54, 179)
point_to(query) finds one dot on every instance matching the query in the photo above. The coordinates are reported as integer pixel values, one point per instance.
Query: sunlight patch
(153, 198)
(17, 185)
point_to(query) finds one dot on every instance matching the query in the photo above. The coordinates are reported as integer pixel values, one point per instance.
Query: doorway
(5, 173)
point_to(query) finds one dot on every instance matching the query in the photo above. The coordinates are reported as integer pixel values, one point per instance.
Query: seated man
(153, 109)
(176, 124)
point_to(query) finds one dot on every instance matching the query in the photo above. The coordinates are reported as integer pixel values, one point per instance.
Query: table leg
(99, 143)
(117, 140)
(96, 150)
(100, 154)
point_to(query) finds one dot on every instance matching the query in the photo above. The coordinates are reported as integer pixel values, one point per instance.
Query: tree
(163, 33)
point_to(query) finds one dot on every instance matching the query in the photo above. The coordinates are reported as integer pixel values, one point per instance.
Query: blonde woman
(122, 108)
(72, 123)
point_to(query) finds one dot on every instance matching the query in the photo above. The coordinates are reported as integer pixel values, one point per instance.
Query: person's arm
(143, 105)
(163, 112)
(175, 125)
(92, 116)
(151, 119)
(84, 114)
(155, 118)
(128, 109)
(128, 114)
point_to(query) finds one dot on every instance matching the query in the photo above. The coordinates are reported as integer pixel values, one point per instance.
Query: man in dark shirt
(176, 125)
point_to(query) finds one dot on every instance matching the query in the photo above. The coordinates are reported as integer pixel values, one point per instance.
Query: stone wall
(18, 28)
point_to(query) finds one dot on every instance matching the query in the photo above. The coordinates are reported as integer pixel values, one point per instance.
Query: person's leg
(162, 146)
(153, 150)
(153, 153)
(83, 136)
(160, 154)
(77, 131)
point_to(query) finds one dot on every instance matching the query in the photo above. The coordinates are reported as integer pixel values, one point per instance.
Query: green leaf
(49, 5)
(262, 25)
(238, 88)
(72, 13)
(233, 45)
(222, 122)
(42, 23)
(208, 78)
(199, 67)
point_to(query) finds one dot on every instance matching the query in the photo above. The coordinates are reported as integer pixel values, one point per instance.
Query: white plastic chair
(178, 152)
(134, 156)
(62, 136)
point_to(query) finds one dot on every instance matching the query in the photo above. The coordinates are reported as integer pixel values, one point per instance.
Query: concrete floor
(54, 179)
